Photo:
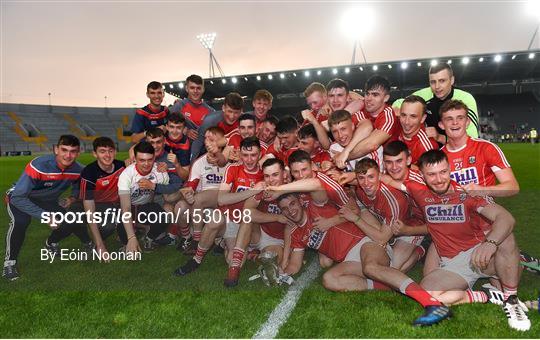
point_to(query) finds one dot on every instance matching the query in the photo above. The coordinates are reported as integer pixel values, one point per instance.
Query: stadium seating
(49, 122)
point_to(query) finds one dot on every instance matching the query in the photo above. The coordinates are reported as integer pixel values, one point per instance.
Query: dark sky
(84, 51)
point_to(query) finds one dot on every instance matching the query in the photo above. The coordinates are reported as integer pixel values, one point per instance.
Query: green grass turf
(143, 299)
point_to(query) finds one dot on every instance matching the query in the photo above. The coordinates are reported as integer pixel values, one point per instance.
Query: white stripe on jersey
(394, 206)
(501, 154)
(390, 119)
(424, 139)
(337, 188)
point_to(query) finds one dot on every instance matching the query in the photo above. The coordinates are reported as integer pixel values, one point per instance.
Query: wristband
(358, 220)
(132, 236)
(493, 242)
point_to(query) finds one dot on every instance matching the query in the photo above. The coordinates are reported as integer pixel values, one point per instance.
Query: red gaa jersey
(241, 179)
(418, 144)
(385, 121)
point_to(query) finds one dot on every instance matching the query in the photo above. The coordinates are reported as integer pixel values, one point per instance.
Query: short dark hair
(234, 101)
(286, 124)
(195, 79)
(68, 140)
(154, 132)
(248, 143)
(143, 147)
(176, 118)
(453, 104)
(415, 99)
(153, 85)
(431, 157)
(286, 195)
(272, 120)
(376, 82)
(337, 83)
(394, 148)
(363, 165)
(248, 116)
(299, 156)
(439, 67)
(307, 131)
(272, 161)
(103, 142)
(338, 116)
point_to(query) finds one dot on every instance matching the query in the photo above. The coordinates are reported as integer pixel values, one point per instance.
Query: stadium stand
(35, 127)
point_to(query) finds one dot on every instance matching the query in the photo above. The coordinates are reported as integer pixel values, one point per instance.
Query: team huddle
(372, 188)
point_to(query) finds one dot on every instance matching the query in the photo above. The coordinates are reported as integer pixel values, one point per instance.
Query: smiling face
(105, 156)
(156, 96)
(287, 139)
(337, 98)
(292, 209)
(144, 162)
(246, 128)
(261, 108)
(316, 101)
(454, 123)
(375, 100)
(194, 91)
(250, 157)
(343, 132)
(397, 166)
(230, 115)
(66, 155)
(273, 175)
(411, 118)
(301, 170)
(157, 142)
(369, 181)
(267, 132)
(437, 176)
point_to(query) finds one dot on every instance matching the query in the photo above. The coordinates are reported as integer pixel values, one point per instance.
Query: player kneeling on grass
(99, 191)
(36, 194)
(274, 233)
(237, 186)
(136, 189)
(200, 191)
(343, 244)
(467, 232)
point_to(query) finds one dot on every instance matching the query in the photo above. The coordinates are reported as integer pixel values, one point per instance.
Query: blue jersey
(147, 118)
(43, 180)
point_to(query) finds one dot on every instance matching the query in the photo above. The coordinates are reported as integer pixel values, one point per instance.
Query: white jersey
(204, 176)
(351, 163)
(128, 182)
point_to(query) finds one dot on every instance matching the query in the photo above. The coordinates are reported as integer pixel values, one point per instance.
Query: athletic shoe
(53, 248)
(148, 244)
(10, 273)
(433, 315)
(524, 257)
(517, 318)
(191, 248)
(189, 267)
(496, 297)
(166, 240)
(232, 277)
(184, 243)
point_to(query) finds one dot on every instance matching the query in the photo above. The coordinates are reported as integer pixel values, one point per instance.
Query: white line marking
(281, 313)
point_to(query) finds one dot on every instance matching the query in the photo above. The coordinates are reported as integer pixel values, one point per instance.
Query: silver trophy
(268, 270)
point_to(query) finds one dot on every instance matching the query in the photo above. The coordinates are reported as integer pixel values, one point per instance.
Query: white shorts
(354, 254)
(414, 240)
(267, 240)
(231, 230)
(461, 265)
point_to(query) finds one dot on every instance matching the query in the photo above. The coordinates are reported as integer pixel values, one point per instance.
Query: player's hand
(334, 174)
(101, 249)
(129, 161)
(322, 224)
(277, 145)
(189, 195)
(385, 178)
(162, 167)
(66, 202)
(171, 157)
(133, 246)
(355, 105)
(340, 159)
(473, 189)
(482, 255)
(192, 134)
(271, 193)
(283, 220)
(348, 214)
(432, 132)
(326, 165)
(234, 155)
(163, 128)
(146, 184)
(308, 116)
(397, 226)
(346, 178)
(53, 226)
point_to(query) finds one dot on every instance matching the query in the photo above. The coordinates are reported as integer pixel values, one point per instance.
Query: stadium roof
(482, 71)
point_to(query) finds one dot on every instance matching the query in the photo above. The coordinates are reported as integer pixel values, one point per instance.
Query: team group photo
(394, 196)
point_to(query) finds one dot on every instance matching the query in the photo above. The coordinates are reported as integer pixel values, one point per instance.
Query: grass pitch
(142, 299)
